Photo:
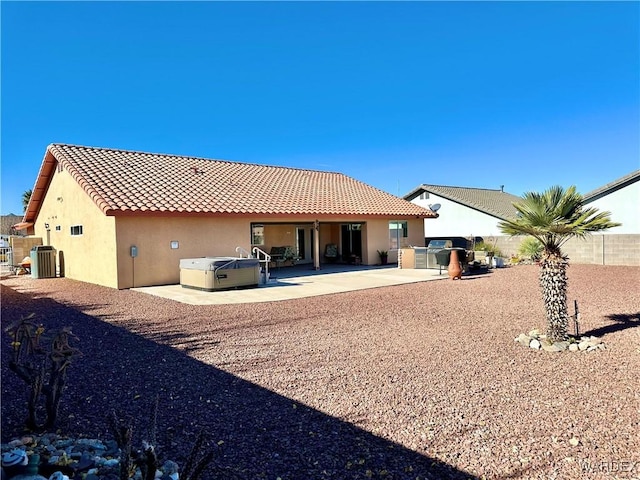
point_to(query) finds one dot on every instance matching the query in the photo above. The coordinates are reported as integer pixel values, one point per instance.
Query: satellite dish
(435, 207)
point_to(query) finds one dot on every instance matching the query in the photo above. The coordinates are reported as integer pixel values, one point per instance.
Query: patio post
(316, 244)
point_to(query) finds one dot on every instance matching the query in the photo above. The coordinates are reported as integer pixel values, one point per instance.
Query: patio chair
(281, 255)
(331, 252)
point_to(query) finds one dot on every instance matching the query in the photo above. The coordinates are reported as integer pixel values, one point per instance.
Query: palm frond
(554, 216)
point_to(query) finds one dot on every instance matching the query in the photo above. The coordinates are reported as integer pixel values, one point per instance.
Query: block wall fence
(622, 249)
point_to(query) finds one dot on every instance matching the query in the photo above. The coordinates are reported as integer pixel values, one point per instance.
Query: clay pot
(455, 269)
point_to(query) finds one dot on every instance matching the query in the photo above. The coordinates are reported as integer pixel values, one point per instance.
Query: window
(424, 196)
(398, 233)
(257, 234)
(76, 230)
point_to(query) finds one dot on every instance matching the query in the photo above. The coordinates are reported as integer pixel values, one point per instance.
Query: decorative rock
(14, 458)
(95, 444)
(112, 448)
(540, 342)
(85, 463)
(550, 347)
(64, 443)
(30, 472)
(574, 442)
(53, 454)
(58, 476)
(170, 467)
(173, 476)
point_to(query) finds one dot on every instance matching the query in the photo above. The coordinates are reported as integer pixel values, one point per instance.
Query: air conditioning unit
(43, 261)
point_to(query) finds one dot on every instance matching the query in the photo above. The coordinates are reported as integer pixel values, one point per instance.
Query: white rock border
(538, 341)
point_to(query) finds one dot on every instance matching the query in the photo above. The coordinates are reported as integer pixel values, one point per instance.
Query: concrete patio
(298, 282)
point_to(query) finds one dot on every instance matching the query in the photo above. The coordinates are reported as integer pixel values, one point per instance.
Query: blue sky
(482, 94)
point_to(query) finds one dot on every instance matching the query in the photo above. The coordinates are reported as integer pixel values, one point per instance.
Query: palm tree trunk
(553, 280)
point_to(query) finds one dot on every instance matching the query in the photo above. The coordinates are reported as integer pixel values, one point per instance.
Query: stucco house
(618, 245)
(464, 212)
(94, 204)
(622, 198)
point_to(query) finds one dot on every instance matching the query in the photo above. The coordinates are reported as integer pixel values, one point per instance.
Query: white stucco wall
(457, 220)
(624, 205)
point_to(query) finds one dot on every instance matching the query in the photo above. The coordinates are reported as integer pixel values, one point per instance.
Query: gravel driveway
(412, 381)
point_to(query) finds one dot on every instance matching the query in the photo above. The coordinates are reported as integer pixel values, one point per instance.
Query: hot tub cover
(213, 263)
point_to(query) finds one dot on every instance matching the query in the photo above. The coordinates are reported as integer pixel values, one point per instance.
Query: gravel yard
(421, 380)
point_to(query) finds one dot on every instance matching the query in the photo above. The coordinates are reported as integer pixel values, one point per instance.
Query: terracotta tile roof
(612, 186)
(127, 181)
(493, 202)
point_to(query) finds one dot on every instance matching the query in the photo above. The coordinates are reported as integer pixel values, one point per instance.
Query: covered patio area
(312, 243)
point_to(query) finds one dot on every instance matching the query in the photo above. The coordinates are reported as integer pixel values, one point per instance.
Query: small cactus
(44, 370)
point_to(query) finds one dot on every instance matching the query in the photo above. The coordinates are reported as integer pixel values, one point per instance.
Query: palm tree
(554, 217)
(26, 196)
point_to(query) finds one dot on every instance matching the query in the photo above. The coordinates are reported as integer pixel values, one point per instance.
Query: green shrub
(530, 248)
(487, 247)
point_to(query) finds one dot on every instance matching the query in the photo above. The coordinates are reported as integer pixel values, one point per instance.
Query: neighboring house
(6, 233)
(622, 198)
(6, 224)
(464, 212)
(94, 204)
(619, 245)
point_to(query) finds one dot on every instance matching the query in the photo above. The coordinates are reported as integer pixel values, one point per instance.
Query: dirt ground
(412, 381)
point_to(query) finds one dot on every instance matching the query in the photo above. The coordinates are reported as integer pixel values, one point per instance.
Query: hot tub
(219, 273)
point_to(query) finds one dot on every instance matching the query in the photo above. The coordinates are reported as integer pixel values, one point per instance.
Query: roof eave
(633, 177)
(414, 193)
(22, 225)
(40, 188)
(111, 212)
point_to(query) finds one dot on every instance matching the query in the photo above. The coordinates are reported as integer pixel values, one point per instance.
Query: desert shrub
(487, 247)
(530, 248)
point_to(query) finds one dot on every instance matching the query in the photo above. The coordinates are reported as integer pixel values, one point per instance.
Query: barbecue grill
(434, 247)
